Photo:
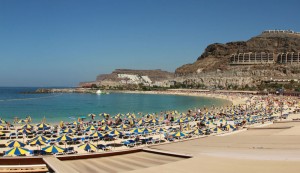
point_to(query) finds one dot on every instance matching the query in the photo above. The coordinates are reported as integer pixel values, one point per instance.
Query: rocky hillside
(121, 77)
(216, 56)
(154, 75)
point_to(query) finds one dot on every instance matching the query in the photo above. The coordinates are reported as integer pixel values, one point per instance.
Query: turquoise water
(56, 107)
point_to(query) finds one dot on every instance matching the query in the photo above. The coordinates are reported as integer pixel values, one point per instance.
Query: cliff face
(154, 75)
(213, 67)
(216, 56)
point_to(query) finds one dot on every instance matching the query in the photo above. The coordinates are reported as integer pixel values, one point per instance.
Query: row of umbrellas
(41, 140)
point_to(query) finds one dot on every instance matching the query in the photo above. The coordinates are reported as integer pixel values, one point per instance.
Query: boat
(98, 92)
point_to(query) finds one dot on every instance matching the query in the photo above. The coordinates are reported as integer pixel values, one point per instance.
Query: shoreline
(235, 100)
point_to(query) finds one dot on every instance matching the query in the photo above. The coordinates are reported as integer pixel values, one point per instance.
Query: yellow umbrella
(16, 151)
(37, 142)
(90, 128)
(88, 147)
(53, 149)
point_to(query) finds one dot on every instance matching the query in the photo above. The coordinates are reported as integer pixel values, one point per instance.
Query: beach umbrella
(22, 121)
(2, 134)
(2, 121)
(97, 134)
(93, 115)
(209, 123)
(90, 128)
(136, 130)
(119, 115)
(16, 151)
(69, 130)
(104, 115)
(141, 122)
(106, 128)
(217, 130)
(43, 126)
(180, 120)
(41, 138)
(26, 131)
(88, 147)
(74, 123)
(115, 132)
(64, 138)
(131, 116)
(160, 130)
(122, 126)
(188, 119)
(2, 127)
(15, 144)
(198, 132)
(27, 126)
(222, 120)
(179, 134)
(153, 121)
(146, 130)
(37, 142)
(229, 126)
(53, 149)
(103, 121)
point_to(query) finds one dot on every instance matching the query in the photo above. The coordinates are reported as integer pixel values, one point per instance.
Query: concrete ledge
(24, 168)
(26, 160)
(166, 153)
(269, 128)
(288, 121)
(97, 155)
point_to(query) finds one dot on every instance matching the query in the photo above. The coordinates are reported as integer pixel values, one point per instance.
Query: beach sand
(258, 150)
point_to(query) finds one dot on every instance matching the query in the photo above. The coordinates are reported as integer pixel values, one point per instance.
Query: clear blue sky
(63, 42)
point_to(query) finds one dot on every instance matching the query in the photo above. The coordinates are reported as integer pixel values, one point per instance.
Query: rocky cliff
(154, 75)
(129, 76)
(216, 56)
(213, 67)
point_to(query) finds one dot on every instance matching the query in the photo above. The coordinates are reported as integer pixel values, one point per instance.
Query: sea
(67, 107)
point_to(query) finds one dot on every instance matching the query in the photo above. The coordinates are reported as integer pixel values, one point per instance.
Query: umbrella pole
(159, 136)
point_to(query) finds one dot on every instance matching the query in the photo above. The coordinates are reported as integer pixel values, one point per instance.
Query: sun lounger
(13, 136)
(103, 147)
(129, 143)
(58, 154)
(71, 152)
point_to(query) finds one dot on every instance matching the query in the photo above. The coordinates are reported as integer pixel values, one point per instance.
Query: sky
(64, 42)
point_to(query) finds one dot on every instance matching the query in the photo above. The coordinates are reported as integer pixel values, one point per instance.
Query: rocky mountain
(154, 75)
(129, 76)
(270, 55)
(216, 56)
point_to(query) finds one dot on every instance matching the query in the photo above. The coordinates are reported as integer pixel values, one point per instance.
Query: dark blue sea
(67, 107)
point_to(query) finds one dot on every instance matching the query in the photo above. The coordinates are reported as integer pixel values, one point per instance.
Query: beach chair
(156, 140)
(129, 143)
(20, 135)
(59, 154)
(61, 143)
(12, 127)
(13, 136)
(103, 147)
